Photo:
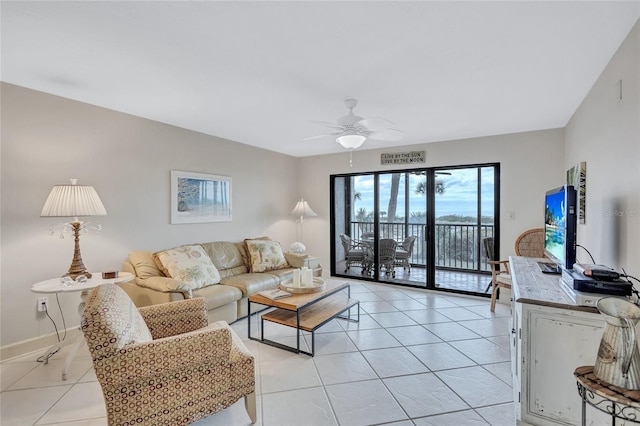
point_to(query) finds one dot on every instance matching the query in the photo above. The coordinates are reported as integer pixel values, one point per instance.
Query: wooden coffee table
(305, 312)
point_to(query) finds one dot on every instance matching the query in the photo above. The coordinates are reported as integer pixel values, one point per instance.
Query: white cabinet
(551, 338)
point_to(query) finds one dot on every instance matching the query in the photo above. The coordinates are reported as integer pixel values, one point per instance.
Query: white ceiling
(258, 72)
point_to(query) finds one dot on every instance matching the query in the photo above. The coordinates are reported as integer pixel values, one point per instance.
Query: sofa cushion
(218, 295)
(250, 283)
(189, 265)
(227, 257)
(242, 248)
(144, 264)
(265, 255)
(282, 274)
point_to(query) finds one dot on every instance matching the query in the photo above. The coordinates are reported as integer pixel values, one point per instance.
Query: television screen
(560, 226)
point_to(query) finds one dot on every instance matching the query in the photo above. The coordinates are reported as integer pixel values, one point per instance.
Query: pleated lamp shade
(73, 201)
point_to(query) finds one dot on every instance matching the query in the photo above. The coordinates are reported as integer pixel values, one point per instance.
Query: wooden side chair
(500, 274)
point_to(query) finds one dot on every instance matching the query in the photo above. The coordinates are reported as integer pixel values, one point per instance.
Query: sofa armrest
(163, 284)
(295, 260)
(170, 319)
(211, 345)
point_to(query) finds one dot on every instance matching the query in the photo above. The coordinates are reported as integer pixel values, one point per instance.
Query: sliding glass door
(436, 218)
(464, 215)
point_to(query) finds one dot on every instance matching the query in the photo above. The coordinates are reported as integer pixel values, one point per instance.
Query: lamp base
(75, 274)
(77, 267)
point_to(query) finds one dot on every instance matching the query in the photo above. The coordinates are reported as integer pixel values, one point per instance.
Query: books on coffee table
(274, 294)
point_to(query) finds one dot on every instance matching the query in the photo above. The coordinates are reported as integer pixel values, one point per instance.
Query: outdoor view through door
(418, 227)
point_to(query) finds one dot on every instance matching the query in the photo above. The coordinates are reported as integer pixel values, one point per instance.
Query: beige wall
(605, 132)
(46, 140)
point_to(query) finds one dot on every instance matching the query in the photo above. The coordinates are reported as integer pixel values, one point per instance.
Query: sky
(459, 197)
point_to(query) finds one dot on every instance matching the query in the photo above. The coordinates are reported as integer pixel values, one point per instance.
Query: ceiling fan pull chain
(350, 158)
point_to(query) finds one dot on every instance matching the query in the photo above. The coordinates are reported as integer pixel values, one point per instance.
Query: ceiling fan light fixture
(351, 140)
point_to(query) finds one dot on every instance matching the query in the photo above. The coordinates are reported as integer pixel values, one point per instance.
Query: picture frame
(577, 176)
(200, 197)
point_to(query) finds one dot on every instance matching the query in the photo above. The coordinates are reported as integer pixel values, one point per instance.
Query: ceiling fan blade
(387, 135)
(328, 135)
(374, 123)
(328, 124)
(315, 137)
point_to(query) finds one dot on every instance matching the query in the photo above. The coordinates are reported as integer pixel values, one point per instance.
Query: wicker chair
(162, 364)
(531, 243)
(354, 253)
(403, 252)
(387, 256)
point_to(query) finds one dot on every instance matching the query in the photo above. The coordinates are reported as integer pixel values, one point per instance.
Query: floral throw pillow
(265, 255)
(189, 265)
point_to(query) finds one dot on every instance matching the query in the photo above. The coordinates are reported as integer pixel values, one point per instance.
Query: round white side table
(56, 285)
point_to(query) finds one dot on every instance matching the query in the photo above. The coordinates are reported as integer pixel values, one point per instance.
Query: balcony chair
(403, 252)
(354, 253)
(500, 274)
(163, 364)
(387, 256)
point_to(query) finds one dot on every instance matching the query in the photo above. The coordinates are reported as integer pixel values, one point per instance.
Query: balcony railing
(457, 246)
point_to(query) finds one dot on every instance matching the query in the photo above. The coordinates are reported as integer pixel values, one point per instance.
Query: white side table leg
(72, 354)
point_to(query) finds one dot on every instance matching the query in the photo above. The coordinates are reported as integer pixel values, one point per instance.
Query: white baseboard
(35, 344)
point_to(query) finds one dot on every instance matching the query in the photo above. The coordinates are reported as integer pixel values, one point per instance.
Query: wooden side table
(619, 403)
(56, 285)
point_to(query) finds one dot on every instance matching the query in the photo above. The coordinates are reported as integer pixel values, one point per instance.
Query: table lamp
(74, 201)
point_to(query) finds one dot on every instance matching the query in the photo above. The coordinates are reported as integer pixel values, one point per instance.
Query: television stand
(551, 335)
(549, 268)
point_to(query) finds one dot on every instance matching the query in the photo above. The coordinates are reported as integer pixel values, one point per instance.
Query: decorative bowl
(318, 285)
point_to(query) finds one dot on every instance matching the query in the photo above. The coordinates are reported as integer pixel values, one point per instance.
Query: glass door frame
(430, 226)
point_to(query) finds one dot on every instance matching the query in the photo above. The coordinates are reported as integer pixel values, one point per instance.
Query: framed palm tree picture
(200, 197)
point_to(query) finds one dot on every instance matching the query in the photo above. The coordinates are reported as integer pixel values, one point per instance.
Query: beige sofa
(225, 300)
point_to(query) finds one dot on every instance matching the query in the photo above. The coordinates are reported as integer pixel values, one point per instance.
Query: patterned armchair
(162, 364)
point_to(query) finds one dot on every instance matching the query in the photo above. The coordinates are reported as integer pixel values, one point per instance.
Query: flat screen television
(560, 226)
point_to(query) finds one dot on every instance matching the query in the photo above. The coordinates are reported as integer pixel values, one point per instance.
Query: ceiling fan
(352, 130)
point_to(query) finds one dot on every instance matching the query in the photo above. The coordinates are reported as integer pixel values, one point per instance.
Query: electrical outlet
(43, 304)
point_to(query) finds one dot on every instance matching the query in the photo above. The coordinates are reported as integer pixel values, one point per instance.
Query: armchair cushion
(189, 265)
(265, 255)
(117, 324)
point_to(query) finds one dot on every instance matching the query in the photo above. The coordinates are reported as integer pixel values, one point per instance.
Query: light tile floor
(416, 358)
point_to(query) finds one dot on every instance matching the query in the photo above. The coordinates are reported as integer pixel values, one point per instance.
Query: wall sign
(412, 157)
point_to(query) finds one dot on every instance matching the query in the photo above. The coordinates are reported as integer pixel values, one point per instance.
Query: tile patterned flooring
(416, 358)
